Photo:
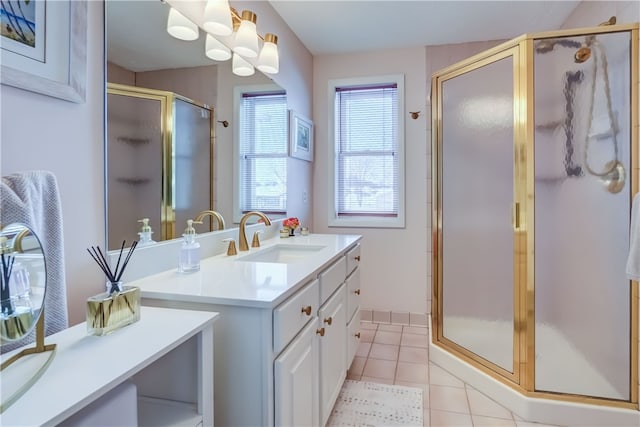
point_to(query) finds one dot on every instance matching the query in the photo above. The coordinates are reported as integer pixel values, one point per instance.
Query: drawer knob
(320, 332)
(357, 257)
(307, 310)
(357, 292)
(328, 321)
(358, 335)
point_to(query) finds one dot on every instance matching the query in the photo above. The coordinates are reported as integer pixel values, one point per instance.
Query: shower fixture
(582, 53)
(584, 49)
(547, 45)
(614, 174)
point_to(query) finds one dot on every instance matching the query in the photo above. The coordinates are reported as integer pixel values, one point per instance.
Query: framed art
(44, 47)
(300, 136)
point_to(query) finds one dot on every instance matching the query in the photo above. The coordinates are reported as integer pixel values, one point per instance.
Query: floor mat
(371, 404)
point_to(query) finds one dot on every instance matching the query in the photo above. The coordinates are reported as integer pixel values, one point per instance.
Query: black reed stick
(126, 261)
(102, 267)
(115, 275)
(5, 291)
(119, 257)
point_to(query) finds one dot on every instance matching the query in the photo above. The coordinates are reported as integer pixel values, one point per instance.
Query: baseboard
(394, 317)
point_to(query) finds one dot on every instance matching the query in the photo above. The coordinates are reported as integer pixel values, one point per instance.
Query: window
(368, 155)
(262, 153)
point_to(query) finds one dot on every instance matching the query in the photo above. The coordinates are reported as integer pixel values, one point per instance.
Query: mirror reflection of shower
(591, 51)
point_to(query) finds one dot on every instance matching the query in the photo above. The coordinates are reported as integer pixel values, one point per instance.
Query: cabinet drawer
(353, 258)
(353, 338)
(353, 293)
(331, 278)
(291, 316)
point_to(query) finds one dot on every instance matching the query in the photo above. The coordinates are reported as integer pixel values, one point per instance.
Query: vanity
(154, 372)
(288, 325)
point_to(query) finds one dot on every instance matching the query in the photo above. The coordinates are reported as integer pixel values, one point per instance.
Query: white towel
(32, 198)
(633, 261)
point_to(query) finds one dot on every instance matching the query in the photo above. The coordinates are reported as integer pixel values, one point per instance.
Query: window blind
(263, 152)
(367, 150)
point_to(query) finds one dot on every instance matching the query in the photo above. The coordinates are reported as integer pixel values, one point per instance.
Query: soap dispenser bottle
(145, 233)
(189, 259)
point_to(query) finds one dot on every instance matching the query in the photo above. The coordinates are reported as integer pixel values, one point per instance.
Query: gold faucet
(213, 214)
(244, 245)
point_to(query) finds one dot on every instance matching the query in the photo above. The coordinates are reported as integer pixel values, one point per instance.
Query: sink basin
(282, 254)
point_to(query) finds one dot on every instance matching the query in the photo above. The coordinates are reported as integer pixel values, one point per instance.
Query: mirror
(144, 57)
(23, 281)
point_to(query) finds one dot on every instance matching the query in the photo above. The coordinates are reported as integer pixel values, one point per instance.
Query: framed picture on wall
(44, 45)
(300, 136)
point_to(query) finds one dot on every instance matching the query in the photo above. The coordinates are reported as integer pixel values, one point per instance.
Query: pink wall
(395, 262)
(41, 132)
(196, 83)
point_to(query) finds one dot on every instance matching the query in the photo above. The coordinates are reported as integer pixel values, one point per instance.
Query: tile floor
(396, 354)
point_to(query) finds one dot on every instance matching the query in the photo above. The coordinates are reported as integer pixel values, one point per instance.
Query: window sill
(367, 222)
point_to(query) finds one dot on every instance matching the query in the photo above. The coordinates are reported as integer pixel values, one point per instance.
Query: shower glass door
(476, 155)
(582, 204)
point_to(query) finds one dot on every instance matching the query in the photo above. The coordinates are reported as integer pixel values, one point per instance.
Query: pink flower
(292, 222)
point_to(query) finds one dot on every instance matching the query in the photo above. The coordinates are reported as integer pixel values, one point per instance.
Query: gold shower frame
(166, 99)
(521, 49)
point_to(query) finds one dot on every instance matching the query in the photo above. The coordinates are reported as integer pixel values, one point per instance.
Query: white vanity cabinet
(352, 286)
(281, 337)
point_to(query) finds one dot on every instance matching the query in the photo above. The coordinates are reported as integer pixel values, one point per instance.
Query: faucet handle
(255, 243)
(231, 250)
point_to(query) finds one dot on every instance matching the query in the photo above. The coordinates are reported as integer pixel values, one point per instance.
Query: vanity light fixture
(217, 18)
(246, 40)
(180, 27)
(241, 67)
(242, 39)
(214, 49)
(268, 61)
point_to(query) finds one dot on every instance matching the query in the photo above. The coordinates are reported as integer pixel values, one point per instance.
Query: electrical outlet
(304, 196)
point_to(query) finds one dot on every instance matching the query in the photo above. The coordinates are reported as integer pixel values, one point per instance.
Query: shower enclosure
(535, 164)
(159, 162)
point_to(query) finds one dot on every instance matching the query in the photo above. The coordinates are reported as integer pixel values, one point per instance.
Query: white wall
(395, 262)
(41, 132)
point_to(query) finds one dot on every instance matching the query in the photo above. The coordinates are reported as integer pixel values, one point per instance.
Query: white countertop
(228, 280)
(85, 367)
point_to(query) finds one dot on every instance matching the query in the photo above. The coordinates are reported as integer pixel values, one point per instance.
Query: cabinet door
(353, 337)
(296, 381)
(332, 317)
(353, 293)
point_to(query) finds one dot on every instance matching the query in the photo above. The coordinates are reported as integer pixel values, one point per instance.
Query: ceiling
(332, 26)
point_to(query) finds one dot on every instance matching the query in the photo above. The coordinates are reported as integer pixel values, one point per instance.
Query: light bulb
(217, 18)
(180, 27)
(246, 41)
(268, 61)
(241, 67)
(215, 50)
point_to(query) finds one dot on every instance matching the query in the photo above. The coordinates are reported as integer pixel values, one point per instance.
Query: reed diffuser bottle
(119, 305)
